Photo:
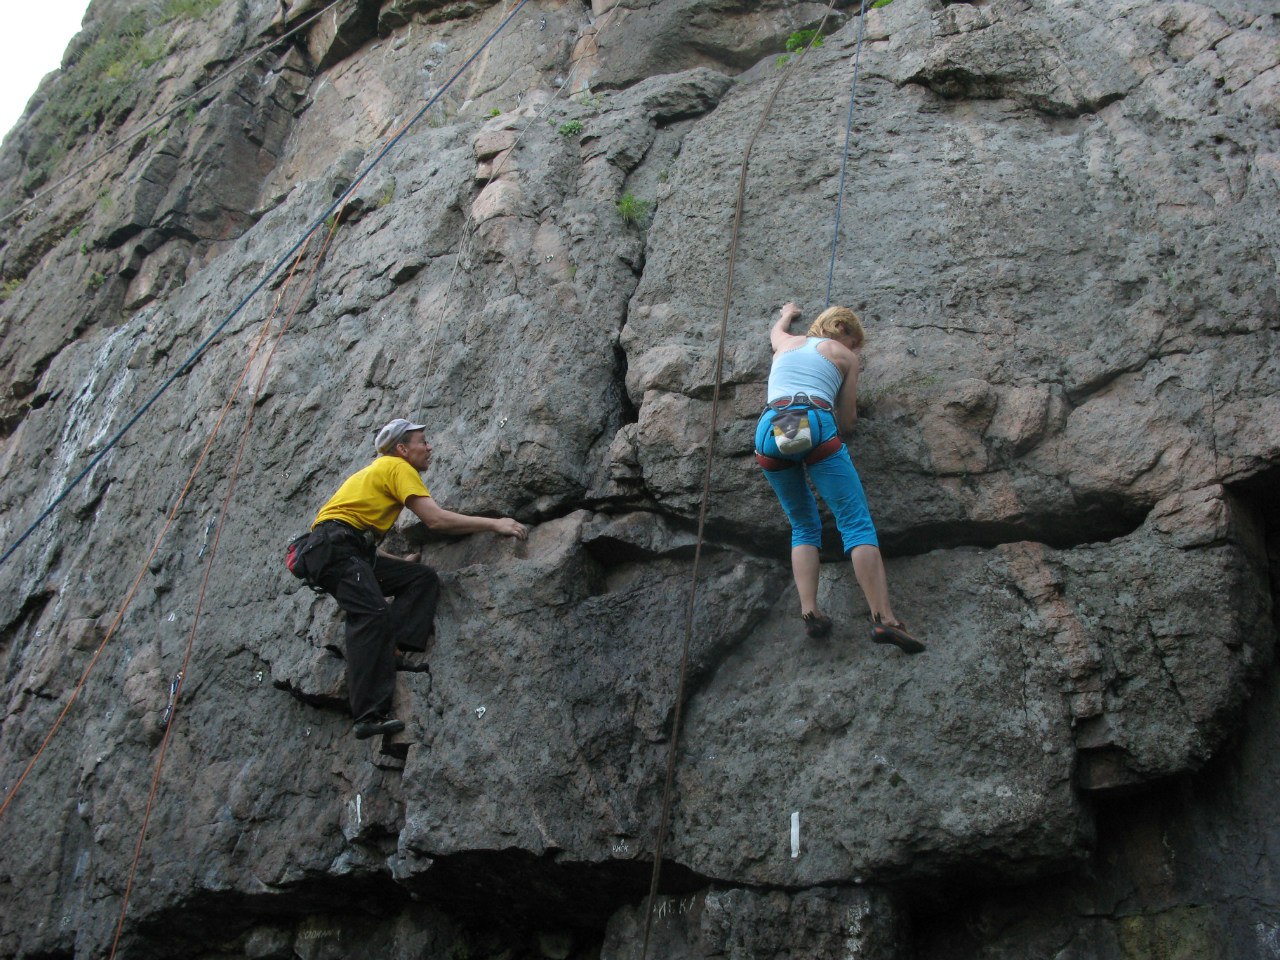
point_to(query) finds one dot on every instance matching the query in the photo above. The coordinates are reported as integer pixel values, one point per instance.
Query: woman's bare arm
(780, 336)
(849, 364)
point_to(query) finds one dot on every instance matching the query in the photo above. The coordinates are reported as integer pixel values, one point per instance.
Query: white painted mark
(1268, 939)
(795, 834)
(480, 712)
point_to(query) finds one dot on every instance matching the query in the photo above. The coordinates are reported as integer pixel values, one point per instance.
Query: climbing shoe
(816, 625)
(375, 726)
(412, 664)
(895, 633)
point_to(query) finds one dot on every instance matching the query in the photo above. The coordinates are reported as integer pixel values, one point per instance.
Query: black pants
(359, 581)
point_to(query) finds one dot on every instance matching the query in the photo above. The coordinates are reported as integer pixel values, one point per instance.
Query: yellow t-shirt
(372, 498)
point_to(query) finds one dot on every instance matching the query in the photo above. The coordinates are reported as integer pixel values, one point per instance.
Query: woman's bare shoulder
(837, 352)
(786, 342)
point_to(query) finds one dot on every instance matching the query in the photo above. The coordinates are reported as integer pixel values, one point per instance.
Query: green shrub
(9, 288)
(800, 39)
(632, 209)
(570, 128)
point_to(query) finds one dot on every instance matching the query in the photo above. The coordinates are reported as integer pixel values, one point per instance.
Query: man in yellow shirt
(341, 557)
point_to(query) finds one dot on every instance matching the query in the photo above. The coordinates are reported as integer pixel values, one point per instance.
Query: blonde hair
(838, 322)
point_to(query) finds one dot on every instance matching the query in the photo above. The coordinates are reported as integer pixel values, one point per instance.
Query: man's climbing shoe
(375, 726)
(406, 663)
(895, 633)
(816, 625)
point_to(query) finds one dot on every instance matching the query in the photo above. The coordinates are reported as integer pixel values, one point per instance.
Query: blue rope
(205, 344)
(844, 157)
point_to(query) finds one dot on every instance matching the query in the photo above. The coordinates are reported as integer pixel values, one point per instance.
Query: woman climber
(813, 402)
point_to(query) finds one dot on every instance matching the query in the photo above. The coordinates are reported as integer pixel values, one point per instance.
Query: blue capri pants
(836, 479)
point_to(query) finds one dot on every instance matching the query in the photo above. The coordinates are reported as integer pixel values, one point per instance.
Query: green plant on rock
(103, 79)
(172, 10)
(9, 288)
(632, 209)
(495, 112)
(880, 3)
(96, 280)
(570, 128)
(797, 42)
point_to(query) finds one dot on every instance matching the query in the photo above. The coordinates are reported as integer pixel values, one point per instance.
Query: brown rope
(664, 821)
(164, 530)
(233, 477)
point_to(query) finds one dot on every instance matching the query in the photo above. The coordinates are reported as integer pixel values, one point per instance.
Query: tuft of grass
(96, 280)
(495, 112)
(570, 128)
(632, 209)
(9, 288)
(880, 3)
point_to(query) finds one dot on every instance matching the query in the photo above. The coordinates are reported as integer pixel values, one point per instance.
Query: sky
(32, 38)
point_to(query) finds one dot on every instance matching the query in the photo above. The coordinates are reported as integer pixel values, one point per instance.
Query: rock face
(1060, 231)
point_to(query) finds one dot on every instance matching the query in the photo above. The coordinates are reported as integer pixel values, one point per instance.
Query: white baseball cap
(393, 433)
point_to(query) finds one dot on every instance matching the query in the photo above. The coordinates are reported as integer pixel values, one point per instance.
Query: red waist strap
(817, 454)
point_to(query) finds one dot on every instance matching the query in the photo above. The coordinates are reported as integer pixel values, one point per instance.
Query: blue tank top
(804, 370)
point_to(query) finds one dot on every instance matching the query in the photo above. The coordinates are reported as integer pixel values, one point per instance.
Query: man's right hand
(511, 528)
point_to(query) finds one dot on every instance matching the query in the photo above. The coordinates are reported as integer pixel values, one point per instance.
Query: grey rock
(1059, 230)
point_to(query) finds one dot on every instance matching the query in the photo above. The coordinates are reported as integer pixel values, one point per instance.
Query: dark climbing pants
(360, 580)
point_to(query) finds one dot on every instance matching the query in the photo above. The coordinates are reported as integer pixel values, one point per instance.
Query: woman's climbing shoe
(895, 633)
(816, 625)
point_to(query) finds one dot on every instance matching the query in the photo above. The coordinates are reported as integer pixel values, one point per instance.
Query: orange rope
(208, 569)
(142, 572)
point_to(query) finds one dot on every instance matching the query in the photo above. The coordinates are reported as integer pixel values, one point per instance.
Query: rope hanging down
(844, 154)
(664, 820)
(232, 479)
(155, 548)
(208, 341)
